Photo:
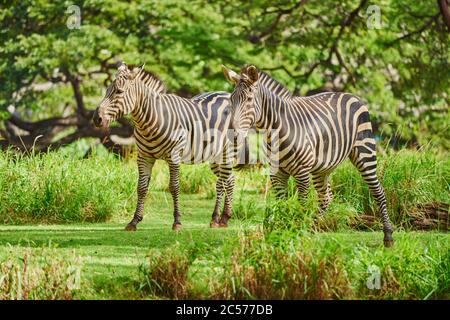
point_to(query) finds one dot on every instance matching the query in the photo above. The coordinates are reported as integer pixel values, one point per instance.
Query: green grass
(116, 264)
(63, 214)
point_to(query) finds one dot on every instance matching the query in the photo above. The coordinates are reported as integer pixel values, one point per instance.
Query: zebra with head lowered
(311, 135)
(173, 129)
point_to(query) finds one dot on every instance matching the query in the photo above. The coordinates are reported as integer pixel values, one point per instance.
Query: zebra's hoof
(130, 227)
(214, 224)
(388, 243)
(176, 227)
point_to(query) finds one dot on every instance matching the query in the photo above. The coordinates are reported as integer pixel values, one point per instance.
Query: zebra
(313, 135)
(174, 129)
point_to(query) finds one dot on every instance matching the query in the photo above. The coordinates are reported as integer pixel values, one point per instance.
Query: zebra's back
(195, 128)
(333, 122)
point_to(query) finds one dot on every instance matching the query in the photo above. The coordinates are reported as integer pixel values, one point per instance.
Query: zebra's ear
(122, 66)
(252, 73)
(230, 75)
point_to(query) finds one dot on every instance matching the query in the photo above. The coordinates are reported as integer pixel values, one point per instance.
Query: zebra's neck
(145, 108)
(269, 108)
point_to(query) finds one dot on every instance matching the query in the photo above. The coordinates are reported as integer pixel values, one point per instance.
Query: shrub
(166, 273)
(51, 188)
(268, 268)
(39, 275)
(411, 179)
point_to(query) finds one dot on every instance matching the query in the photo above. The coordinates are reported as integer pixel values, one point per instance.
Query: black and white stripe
(174, 129)
(308, 135)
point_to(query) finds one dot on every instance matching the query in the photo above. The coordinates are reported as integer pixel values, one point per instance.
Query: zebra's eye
(119, 87)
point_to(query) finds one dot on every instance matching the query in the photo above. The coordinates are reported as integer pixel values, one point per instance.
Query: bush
(166, 273)
(411, 179)
(53, 188)
(39, 275)
(409, 270)
(269, 268)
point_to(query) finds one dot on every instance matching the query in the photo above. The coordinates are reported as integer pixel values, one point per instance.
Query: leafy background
(49, 71)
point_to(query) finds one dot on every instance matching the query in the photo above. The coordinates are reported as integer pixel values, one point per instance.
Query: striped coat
(174, 129)
(307, 135)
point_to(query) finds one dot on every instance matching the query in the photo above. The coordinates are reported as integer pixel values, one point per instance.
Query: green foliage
(286, 265)
(411, 270)
(39, 275)
(409, 178)
(268, 268)
(290, 214)
(247, 207)
(401, 69)
(166, 273)
(49, 188)
(197, 178)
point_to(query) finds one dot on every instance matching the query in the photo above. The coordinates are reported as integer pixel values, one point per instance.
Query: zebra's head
(243, 106)
(119, 99)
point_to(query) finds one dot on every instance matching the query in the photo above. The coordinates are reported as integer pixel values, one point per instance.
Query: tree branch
(75, 82)
(280, 13)
(415, 32)
(444, 7)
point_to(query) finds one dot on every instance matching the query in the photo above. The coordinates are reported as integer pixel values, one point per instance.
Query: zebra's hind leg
(364, 159)
(174, 187)
(322, 184)
(145, 166)
(220, 188)
(228, 206)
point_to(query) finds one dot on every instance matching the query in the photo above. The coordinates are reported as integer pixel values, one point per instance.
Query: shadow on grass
(145, 237)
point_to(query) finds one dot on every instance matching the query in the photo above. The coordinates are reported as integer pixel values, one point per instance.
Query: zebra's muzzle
(97, 119)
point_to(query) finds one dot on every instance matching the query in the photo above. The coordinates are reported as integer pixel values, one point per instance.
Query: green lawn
(111, 257)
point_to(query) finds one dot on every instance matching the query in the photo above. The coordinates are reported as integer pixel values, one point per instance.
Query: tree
(53, 74)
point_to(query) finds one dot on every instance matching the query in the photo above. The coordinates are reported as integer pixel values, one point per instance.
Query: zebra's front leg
(302, 182)
(322, 185)
(174, 187)
(145, 166)
(228, 206)
(219, 194)
(279, 180)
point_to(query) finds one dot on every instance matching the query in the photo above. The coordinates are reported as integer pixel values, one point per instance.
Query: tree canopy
(394, 54)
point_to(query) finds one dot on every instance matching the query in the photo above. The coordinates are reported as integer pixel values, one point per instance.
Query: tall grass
(60, 187)
(287, 265)
(410, 179)
(409, 271)
(165, 274)
(261, 268)
(53, 188)
(39, 275)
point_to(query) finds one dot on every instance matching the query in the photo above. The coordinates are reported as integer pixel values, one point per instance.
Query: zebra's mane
(274, 86)
(150, 80)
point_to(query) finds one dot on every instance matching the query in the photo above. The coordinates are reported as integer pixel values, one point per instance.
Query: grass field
(84, 255)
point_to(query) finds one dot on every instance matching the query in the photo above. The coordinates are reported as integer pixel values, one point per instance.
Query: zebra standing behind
(173, 129)
(312, 135)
